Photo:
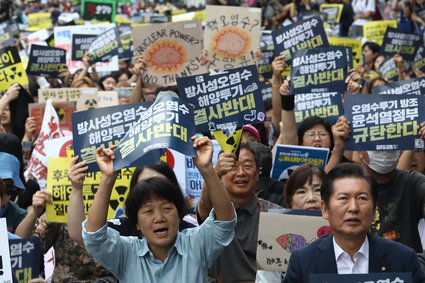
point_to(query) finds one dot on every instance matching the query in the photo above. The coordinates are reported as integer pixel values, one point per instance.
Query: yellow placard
(11, 69)
(229, 143)
(189, 16)
(122, 20)
(375, 30)
(60, 186)
(332, 18)
(39, 21)
(355, 44)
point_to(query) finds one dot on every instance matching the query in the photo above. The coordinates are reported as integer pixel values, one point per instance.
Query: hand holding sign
(204, 150)
(104, 159)
(76, 173)
(278, 66)
(340, 132)
(39, 200)
(13, 92)
(225, 163)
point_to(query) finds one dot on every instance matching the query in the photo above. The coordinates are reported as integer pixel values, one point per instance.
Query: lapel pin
(383, 268)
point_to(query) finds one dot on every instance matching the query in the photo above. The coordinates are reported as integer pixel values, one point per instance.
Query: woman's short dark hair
(373, 46)
(154, 188)
(311, 122)
(104, 78)
(302, 175)
(119, 73)
(161, 167)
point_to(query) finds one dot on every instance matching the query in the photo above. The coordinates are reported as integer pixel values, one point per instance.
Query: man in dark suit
(348, 203)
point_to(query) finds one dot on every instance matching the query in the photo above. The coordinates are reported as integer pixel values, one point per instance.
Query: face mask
(383, 162)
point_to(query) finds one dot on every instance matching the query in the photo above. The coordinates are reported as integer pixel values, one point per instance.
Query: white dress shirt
(344, 263)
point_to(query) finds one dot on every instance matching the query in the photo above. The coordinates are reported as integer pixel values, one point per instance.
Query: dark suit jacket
(384, 256)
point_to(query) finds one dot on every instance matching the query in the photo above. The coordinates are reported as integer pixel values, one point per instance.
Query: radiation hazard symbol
(229, 143)
(12, 74)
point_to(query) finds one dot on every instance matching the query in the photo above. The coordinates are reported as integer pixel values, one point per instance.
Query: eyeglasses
(247, 168)
(311, 135)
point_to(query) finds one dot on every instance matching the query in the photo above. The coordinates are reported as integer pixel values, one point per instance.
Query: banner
(25, 258)
(280, 234)
(224, 100)
(419, 60)
(46, 61)
(170, 51)
(267, 49)
(63, 39)
(99, 10)
(384, 122)
(333, 12)
(287, 158)
(412, 86)
(375, 30)
(80, 45)
(60, 186)
(320, 70)
(105, 46)
(11, 69)
(37, 21)
(232, 35)
(306, 34)
(6, 36)
(327, 105)
(399, 42)
(355, 44)
(389, 70)
(37, 166)
(63, 110)
(389, 277)
(167, 124)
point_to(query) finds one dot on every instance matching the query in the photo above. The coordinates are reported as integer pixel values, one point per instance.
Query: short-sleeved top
(360, 7)
(130, 259)
(14, 215)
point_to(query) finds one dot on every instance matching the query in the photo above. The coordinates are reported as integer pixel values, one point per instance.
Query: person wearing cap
(249, 132)
(9, 176)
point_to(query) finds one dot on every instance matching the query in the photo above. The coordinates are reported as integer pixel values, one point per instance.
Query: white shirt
(361, 259)
(361, 7)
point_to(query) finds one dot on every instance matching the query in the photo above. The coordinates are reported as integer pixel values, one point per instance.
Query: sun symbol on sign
(165, 56)
(231, 42)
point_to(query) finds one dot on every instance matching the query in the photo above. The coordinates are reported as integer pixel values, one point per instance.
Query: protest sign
(168, 123)
(389, 277)
(189, 16)
(38, 37)
(280, 234)
(389, 70)
(46, 61)
(37, 21)
(63, 39)
(127, 49)
(88, 99)
(99, 10)
(170, 51)
(63, 110)
(60, 186)
(60, 147)
(305, 34)
(333, 12)
(224, 100)
(375, 30)
(124, 91)
(327, 105)
(320, 70)
(5, 265)
(267, 49)
(229, 142)
(14, 27)
(103, 127)
(60, 94)
(266, 91)
(399, 42)
(25, 258)
(11, 69)
(6, 36)
(384, 122)
(107, 98)
(232, 35)
(105, 46)
(419, 60)
(412, 86)
(355, 44)
(80, 45)
(289, 157)
(37, 166)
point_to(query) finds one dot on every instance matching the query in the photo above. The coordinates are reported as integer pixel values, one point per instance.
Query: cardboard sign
(327, 105)
(63, 39)
(63, 109)
(103, 127)
(384, 122)
(232, 35)
(287, 158)
(306, 34)
(107, 98)
(375, 30)
(37, 21)
(267, 48)
(170, 51)
(399, 42)
(419, 60)
(333, 12)
(5, 267)
(59, 94)
(46, 61)
(105, 46)
(81, 44)
(389, 70)
(362, 278)
(60, 186)
(25, 258)
(355, 44)
(6, 36)
(99, 10)
(168, 123)
(280, 234)
(11, 69)
(412, 86)
(319, 70)
(224, 100)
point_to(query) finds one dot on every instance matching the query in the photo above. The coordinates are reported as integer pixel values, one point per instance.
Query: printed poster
(267, 49)
(375, 30)
(384, 122)
(25, 258)
(232, 35)
(403, 43)
(224, 100)
(6, 36)
(37, 21)
(80, 45)
(11, 69)
(355, 44)
(6, 269)
(99, 10)
(389, 70)
(419, 60)
(412, 86)
(105, 46)
(332, 11)
(170, 51)
(46, 61)
(63, 110)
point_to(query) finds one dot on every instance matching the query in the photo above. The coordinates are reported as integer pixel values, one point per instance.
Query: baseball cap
(9, 169)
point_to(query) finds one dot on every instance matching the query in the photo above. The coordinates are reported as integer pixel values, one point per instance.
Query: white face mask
(383, 162)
